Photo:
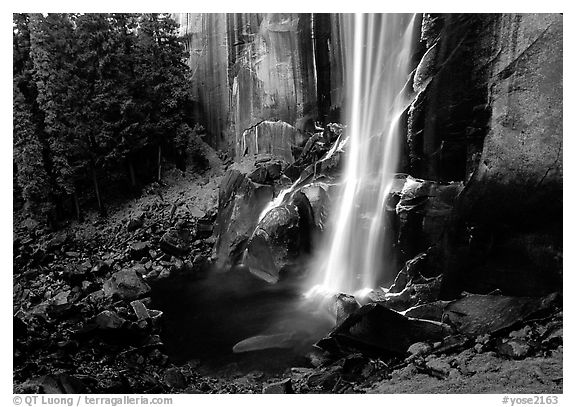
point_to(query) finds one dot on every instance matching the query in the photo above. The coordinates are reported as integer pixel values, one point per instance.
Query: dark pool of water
(207, 313)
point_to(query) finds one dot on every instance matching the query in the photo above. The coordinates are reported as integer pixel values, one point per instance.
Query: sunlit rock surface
(248, 68)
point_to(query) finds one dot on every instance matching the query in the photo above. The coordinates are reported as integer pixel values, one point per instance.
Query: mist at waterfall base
(209, 312)
(232, 320)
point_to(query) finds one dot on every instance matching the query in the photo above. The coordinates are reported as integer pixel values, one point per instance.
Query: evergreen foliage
(95, 97)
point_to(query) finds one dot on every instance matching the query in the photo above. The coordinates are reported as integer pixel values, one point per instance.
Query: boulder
(267, 173)
(134, 224)
(375, 328)
(515, 349)
(476, 315)
(281, 387)
(240, 202)
(204, 228)
(109, 320)
(126, 284)
(139, 250)
(174, 378)
(177, 240)
(280, 239)
(140, 310)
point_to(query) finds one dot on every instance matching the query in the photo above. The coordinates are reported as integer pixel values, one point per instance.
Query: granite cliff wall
(250, 68)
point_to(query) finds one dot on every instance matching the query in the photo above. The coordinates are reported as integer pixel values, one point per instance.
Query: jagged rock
(139, 250)
(326, 378)
(419, 348)
(513, 348)
(374, 327)
(266, 173)
(57, 242)
(439, 365)
(204, 228)
(279, 239)
(140, 310)
(345, 305)
(432, 311)
(423, 211)
(59, 384)
(174, 378)
(101, 267)
(318, 195)
(126, 284)
(424, 291)
(177, 240)
(75, 273)
(281, 387)
(109, 320)
(411, 269)
(451, 343)
(356, 367)
(476, 315)
(134, 224)
(240, 202)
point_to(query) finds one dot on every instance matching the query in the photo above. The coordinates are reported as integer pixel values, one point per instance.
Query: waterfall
(377, 70)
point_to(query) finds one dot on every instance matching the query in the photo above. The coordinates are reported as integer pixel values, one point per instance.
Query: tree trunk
(132, 175)
(97, 189)
(159, 162)
(77, 206)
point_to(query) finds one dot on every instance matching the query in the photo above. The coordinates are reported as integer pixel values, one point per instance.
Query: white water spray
(352, 258)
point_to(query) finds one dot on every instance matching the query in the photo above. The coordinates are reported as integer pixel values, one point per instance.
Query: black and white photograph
(286, 203)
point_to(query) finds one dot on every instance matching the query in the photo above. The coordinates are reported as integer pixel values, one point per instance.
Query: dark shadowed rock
(109, 320)
(134, 224)
(177, 241)
(280, 238)
(325, 378)
(375, 328)
(411, 269)
(139, 250)
(240, 202)
(126, 284)
(476, 315)
(174, 378)
(274, 243)
(281, 387)
(432, 311)
(100, 268)
(423, 211)
(204, 228)
(515, 349)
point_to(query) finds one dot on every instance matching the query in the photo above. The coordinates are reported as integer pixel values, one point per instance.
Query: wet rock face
(490, 114)
(270, 137)
(490, 110)
(246, 189)
(520, 169)
(252, 67)
(281, 240)
(423, 210)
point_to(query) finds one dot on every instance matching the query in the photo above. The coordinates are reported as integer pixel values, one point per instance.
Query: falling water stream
(379, 66)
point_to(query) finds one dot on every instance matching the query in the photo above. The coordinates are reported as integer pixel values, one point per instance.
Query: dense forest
(100, 100)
